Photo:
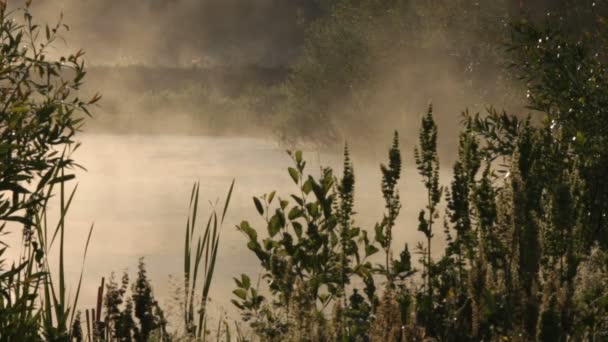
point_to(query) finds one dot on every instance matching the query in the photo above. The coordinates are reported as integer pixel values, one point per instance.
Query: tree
(349, 71)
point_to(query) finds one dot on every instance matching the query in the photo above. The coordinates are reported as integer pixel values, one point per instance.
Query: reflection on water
(136, 191)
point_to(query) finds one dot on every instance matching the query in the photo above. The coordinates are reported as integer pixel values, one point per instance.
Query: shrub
(525, 226)
(39, 119)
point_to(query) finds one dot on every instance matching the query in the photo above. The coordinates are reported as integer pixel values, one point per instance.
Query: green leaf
(241, 293)
(299, 200)
(62, 179)
(299, 156)
(246, 281)
(580, 137)
(14, 187)
(19, 219)
(297, 227)
(313, 209)
(294, 174)
(370, 250)
(250, 232)
(379, 234)
(4, 147)
(274, 226)
(238, 282)
(294, 213)
(307, 187)
(271, 197)
(237, 304)
(284, 204)
(254, 246)
(258, 205)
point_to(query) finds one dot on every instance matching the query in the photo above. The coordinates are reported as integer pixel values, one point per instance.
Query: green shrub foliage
(40, 114)
(524, 224)
(136, 318)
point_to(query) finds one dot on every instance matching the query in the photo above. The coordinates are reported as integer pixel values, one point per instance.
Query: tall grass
(203, 254)
(58, 312)
(34, 297)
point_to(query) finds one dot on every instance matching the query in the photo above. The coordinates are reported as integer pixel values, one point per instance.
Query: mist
(182, 33)
(220, 67)
(189, 92)
(216, 91)
(138, 49)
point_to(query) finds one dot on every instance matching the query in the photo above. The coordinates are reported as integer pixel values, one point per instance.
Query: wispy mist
(181, 32)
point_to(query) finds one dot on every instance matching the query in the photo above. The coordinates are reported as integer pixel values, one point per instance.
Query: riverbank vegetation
(514, 248)
(356, 61)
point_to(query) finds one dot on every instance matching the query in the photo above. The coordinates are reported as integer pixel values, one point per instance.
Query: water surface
(136, 191)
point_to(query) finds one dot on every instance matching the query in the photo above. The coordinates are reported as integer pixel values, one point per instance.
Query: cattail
(88, 326)
(99, 299)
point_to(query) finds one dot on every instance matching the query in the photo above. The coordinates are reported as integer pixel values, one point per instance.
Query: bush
(525, 226)
(38, 122)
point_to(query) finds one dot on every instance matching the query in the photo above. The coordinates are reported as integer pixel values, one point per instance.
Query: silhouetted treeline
(266, 32)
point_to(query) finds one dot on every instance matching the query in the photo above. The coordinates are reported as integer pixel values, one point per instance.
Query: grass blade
(86, 248)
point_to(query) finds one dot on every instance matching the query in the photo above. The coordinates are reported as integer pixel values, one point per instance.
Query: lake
(136, 191)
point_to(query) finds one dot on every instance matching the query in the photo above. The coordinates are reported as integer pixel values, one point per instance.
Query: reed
(58, 311)
(200, 250)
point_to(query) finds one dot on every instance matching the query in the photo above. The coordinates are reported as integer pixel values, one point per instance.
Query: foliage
(427, 162)
(311, 253)
(364, 59)
(524, 225)
(121, 312)
(525, 222)
(38, 123)
(206, 246)
(384, 230)
(139, 317)
(359, 57)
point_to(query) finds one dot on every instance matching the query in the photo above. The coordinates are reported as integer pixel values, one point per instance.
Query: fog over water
(136, 191)
(147, 56)
(181, 32)
(151, 98)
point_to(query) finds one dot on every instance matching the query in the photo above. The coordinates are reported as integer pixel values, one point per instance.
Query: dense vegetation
(524, 218)
(39, 119)
(361, 57)
(366, 59)
(525, 224)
